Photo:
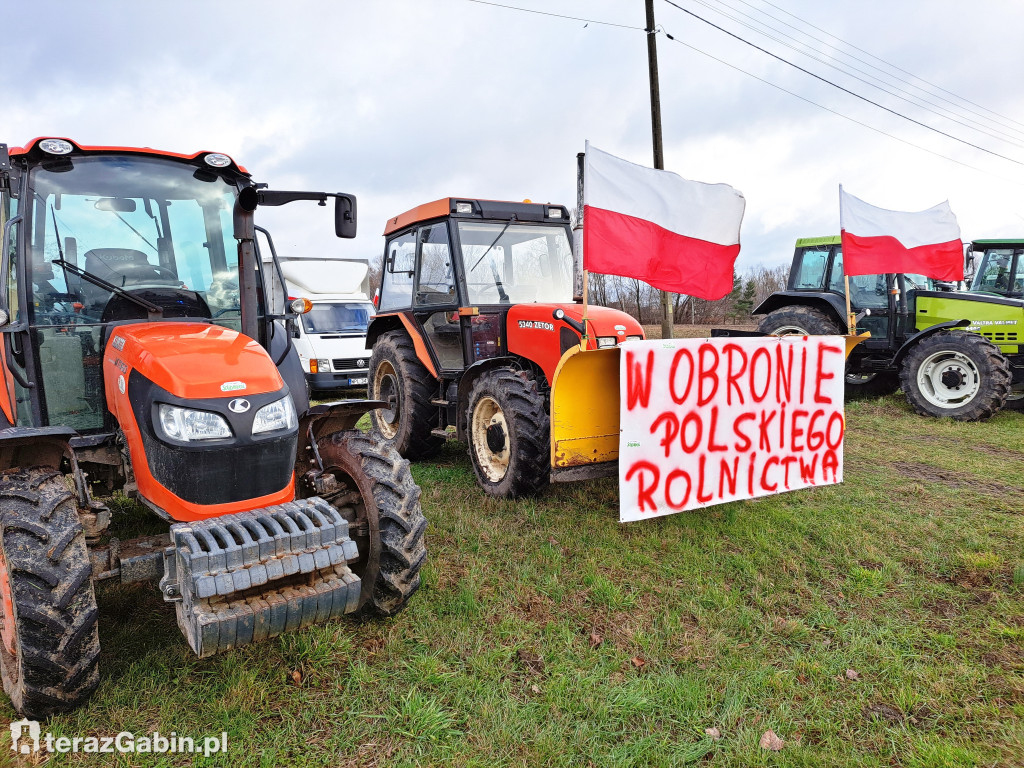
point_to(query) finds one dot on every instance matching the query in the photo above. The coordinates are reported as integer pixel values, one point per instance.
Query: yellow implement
(585, 414)
(852, 340)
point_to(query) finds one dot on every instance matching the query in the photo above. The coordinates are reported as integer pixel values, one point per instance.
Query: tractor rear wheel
(49, 654)
(799, 321)
(398, 378)
(809, 321)
(956, 374)
(509, 434)
(382, 504)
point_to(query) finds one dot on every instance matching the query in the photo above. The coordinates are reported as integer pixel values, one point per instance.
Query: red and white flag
(877, 241)
(678, 235)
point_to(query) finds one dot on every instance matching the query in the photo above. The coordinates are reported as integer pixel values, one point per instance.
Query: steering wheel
(163, 273)
(224, 311)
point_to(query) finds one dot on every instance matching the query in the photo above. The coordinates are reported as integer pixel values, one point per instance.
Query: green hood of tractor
(999, 319)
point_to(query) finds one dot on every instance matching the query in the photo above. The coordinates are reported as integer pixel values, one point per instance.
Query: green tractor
(954, 354)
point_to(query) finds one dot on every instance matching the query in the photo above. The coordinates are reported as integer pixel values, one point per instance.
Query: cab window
(399, 268)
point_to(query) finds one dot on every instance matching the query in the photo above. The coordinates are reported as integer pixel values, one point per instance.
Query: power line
(887, 63)
(846, 68)
(556, 15)
(841, 88)
(840, 114)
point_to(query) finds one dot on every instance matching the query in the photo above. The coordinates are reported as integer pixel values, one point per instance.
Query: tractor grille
(349, 363)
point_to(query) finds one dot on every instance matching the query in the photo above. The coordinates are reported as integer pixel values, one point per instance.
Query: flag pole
(851, 320)
(584, 340)
(667, 317)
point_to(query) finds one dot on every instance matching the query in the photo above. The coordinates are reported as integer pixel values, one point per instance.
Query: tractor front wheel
(49, 654)
(509, 438)
(799, 321)
(398, 378)
(381, 501)
(956, 374)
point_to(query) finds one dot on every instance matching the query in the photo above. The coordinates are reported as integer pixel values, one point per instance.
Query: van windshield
(338, 318)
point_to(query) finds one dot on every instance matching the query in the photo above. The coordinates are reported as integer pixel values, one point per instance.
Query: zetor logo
(26, 738)
(539, 325)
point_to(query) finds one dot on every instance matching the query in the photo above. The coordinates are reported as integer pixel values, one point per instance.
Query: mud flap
(250, 576)
(585, 414)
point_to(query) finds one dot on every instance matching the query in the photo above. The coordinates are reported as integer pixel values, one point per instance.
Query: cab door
(435, 297)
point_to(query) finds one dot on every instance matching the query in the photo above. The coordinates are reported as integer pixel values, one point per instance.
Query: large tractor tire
(799, 321)
(382, 503)
(809, 321)
(956, 374)
(398, 378)
(509, 434)
(49, 654)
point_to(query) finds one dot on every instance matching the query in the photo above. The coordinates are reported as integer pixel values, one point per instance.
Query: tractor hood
(193, 361)
(997, 318)
(534, 333)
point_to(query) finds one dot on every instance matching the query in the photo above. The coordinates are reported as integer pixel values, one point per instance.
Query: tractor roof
(804, 242)
(470, 208)
(1009, 241)
(32, 145)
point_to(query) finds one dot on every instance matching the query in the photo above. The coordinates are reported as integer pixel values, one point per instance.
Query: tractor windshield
(511, 263)
(1000, 271)
(134, 222)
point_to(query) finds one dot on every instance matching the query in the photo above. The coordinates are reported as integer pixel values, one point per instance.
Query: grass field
(880, 622)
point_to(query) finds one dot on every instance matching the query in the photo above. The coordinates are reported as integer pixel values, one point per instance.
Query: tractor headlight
(605, 341)
(280, 414)
(189, 425)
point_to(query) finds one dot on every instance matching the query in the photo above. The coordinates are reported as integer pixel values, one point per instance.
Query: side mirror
(345, 216)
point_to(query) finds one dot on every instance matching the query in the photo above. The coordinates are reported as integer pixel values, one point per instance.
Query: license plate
(357, 381)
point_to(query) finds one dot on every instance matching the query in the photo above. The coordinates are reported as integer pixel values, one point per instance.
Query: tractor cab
(477, 296)
(998, 267)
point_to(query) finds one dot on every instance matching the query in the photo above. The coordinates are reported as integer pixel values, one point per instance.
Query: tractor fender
(930, 331)
(831, 303)
(474, 372)
(322, 420)
(397, 321)
(35, 446)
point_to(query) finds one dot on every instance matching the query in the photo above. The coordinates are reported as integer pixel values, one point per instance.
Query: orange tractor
(146, 342)
(478, 330)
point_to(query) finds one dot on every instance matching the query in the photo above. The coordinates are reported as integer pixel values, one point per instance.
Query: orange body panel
(534, 334)
(423, 212)
(141, 150)
(193, 361)
(7, 399)
(417, 343)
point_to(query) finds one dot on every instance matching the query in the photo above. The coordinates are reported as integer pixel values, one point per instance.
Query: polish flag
(877, 241)
(678, 235)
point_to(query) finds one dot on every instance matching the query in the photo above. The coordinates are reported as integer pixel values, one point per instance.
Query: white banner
(706, 421)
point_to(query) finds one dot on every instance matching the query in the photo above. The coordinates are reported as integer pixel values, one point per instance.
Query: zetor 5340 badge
(539, 325)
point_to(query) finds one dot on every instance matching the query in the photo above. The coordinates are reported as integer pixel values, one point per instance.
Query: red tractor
(146, 348)
(478, 330)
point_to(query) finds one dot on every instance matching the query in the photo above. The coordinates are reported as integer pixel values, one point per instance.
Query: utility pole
(659, 152)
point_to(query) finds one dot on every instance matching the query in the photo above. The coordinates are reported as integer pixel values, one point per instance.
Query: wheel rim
(490, 438)
(385, 387)
(790, 330)
(948, 379)
(7, 637)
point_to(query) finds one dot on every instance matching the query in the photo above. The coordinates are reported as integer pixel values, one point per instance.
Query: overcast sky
(402, 101)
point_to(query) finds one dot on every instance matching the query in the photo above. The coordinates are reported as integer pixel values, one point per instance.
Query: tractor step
(250, 576)
(441, 401)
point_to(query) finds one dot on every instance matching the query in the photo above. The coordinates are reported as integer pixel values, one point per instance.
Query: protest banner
(707, 421)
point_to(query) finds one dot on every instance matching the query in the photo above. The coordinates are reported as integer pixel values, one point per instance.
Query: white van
(332, 336)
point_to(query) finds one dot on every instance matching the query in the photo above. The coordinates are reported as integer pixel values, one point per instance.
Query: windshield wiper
(154, 310)
(507, 223)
